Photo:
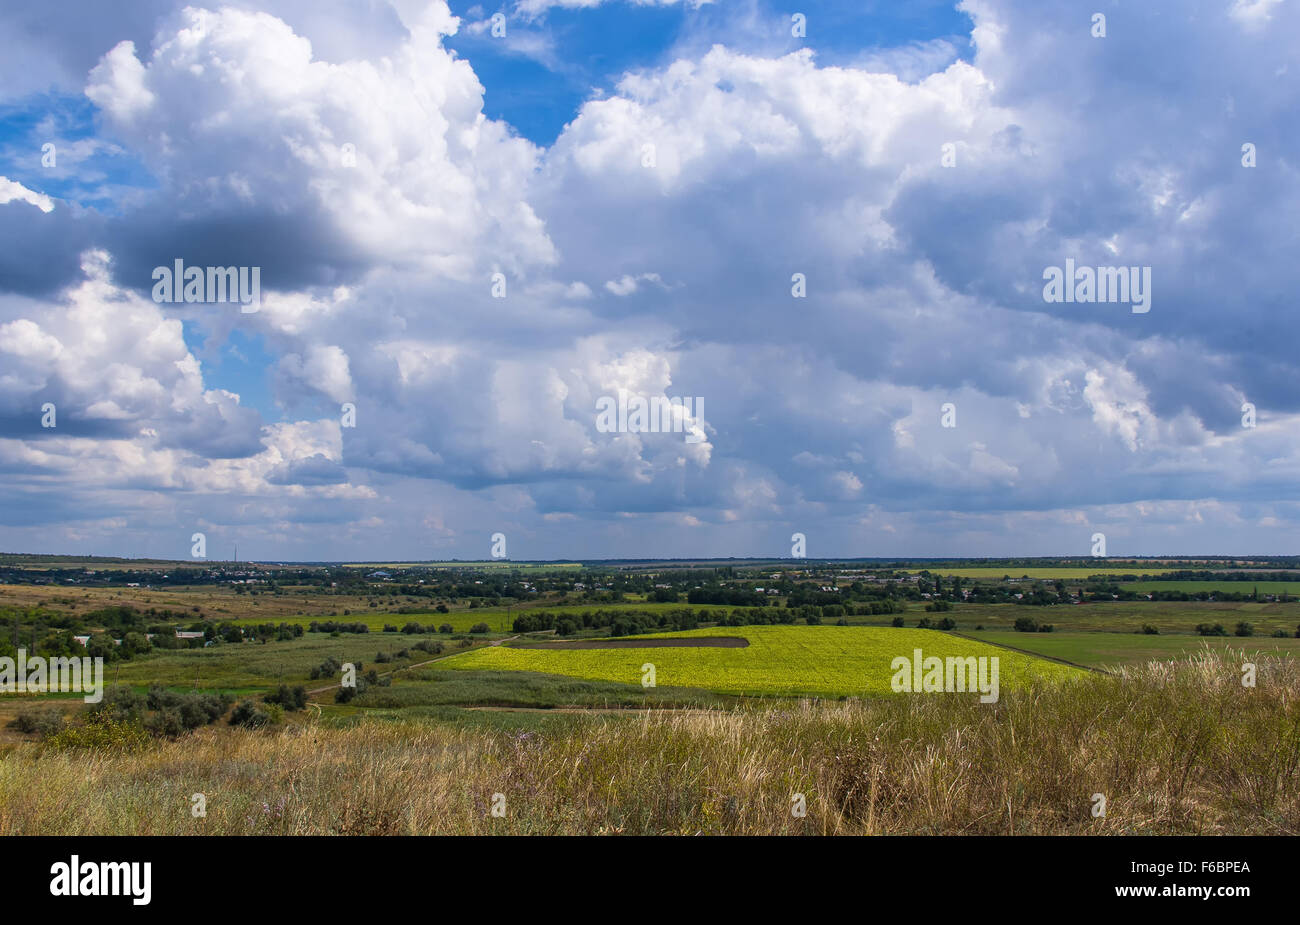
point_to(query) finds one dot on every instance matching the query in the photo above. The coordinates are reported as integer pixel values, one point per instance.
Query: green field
(1066, 572)
(477, 566)
(828, 661)
(460, 620)
(498, 618)
(251, 666)
(1237, 587)
(1128, 616)
(1102, 650)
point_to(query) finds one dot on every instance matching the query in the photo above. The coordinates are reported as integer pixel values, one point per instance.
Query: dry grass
(1175, 748)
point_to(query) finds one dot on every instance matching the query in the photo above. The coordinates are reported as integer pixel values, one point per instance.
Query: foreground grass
(1174, 748)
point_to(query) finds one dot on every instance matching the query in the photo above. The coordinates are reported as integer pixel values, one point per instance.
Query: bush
(101, 732)
(1205, 629)
(43, 720)
(897, 621)
(1026, 625)
(480, 628)
(251, 715)
(176, 713)
(446, 628)
(289, 698)
(1244, 629)
(326, 669)
(1149, 630)
(120, 704)
(347, 694)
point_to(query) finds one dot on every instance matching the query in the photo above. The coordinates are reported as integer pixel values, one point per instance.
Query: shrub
(1205, 629)
(1149, 630)
(897, 621)
(1244, 629)
(176, 713)
(326, 669)
(101, 732)
(251, 715)
(445, 628)
(290, 698)
(42, 720)
(120, 704)
(1026, 625)
(480, 628)
(347, 694)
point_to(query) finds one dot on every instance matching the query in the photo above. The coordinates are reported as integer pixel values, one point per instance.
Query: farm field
(1106, 650)
(1193, 587)
(826, 661)
(244, 667)
(1178, 617)
(497, 618)
(213, 602)
(477, 566)
(1065, 572)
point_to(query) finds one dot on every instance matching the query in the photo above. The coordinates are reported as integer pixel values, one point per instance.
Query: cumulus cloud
(475, 295)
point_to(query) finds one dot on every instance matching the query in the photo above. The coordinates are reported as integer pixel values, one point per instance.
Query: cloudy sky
(472, 222)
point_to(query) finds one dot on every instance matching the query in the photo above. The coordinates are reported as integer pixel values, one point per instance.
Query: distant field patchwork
(1237, 587)
(1102, 568)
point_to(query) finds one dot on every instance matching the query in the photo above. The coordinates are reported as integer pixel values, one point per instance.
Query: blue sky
(836, 242)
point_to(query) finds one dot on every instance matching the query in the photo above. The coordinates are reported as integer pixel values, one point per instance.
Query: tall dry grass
(1175, 748)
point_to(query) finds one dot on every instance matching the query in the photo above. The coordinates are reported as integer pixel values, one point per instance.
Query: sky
(827, 229)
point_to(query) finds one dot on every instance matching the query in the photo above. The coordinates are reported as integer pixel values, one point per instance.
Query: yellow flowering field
(826, 661)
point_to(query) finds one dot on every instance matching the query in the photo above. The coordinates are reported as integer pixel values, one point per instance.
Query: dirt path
(393, 671)
(1050, 658)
